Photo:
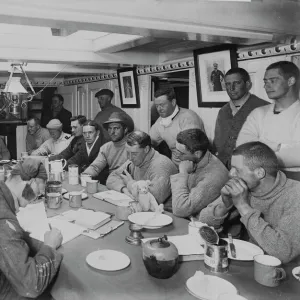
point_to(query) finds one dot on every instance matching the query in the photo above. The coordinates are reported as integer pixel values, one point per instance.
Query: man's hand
(186, 167)
(226, 197)
(53, 238)
(126, 177)
(239, 193)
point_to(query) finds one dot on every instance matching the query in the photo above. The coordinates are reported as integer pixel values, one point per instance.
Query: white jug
(57, 166)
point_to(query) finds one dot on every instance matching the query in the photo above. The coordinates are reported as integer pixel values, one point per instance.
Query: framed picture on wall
(211, 64)
(129, 89)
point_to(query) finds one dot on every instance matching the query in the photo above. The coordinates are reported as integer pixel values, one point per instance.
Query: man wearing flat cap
(104, 97)
(58, 141)
(25, 270)
(113, 154)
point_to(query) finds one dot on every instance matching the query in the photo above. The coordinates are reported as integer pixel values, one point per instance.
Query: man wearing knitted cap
(25, 271)
(104, 97)
(113, 154)
(58, 141)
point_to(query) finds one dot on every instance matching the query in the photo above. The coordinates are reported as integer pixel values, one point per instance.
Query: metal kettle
(160, 257)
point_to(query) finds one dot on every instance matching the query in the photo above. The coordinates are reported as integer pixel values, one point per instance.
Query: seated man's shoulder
(163, 161)
(261, 110)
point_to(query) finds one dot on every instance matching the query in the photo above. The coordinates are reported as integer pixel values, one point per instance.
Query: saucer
(108, 260)
(83, 196)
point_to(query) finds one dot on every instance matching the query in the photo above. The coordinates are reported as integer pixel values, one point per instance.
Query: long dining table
(76, 280)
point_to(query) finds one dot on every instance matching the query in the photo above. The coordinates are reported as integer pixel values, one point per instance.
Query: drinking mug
(84, 178)
(75, 199)
(122, 212)
(92, 186)
(267, 270)
(54, 200)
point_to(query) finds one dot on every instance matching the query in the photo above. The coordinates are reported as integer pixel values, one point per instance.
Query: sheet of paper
(186, 244)
(33, 218)
(68, 230)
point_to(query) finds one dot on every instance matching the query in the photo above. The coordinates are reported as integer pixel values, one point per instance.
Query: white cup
(84, 178)
(194, 231)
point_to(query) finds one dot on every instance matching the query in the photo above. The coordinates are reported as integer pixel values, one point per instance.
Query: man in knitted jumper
(173, 119)
(201, 175)
(278, 124)
(268, 202)
(113, 154)
(144, 163)
(233, 114)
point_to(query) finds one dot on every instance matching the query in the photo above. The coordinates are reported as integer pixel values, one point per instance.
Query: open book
(114, 197)
(86, 218)
(188, 247)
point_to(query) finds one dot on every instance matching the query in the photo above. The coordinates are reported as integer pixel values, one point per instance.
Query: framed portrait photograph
(211, 65)
(129, 89)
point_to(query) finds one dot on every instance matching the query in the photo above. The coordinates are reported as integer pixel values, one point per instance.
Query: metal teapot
(160, 257)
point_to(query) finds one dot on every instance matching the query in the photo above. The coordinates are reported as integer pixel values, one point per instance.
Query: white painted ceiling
(98, 36)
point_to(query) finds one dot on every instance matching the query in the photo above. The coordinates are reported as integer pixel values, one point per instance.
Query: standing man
(88, 151)
(58, 112)
(36, 135)
(216, 77)
(74, 146)
(144, 163)
(104, 97)
(58, 142)
(201, 175)
(278, 124)
(112, 154)
(232, 115)
(172, 120)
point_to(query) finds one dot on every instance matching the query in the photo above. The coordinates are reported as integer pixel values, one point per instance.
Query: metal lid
(160, 242)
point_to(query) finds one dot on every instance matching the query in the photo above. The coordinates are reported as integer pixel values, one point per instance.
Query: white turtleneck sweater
(111, 154)
(281, 132)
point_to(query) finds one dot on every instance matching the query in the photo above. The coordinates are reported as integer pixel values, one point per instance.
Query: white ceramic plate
(244, 250)
(147, 220)
(83, 196)
(108, 260)
(4, 161)
(296, 271)
(209, 287)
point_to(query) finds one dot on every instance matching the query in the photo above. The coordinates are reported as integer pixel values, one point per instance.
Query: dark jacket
(23, 273)
(64, 116)
(71, 150)
(83, 160)
(228, 127)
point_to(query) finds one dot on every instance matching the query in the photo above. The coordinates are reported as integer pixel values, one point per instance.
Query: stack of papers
(114, 198)
(85, 218)
(188, 247)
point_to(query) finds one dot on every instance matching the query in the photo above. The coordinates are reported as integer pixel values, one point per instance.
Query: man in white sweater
(278, 124)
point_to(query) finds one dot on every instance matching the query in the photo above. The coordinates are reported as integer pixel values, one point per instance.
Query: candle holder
(135, 235)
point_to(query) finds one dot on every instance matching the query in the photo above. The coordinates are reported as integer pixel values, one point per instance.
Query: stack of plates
(150, 220)
(209, 287)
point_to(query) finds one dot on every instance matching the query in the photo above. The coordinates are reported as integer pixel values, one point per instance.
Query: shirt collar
(168, 120)
(237, 105)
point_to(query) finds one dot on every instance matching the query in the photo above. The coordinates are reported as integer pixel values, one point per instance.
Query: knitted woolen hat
(54, 124)
(30, 168)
